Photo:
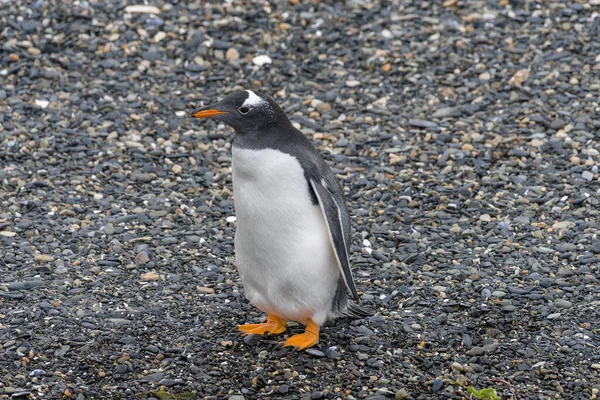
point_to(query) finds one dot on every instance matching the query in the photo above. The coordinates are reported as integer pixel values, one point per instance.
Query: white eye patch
(253, 100)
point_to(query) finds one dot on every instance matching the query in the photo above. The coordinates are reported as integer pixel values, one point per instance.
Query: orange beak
(203, 113)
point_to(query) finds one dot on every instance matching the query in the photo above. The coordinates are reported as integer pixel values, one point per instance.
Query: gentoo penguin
(293, 226)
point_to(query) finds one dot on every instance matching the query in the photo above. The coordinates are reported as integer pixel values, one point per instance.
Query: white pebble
(42, 103)
(231, 219)
(142, 9)
(159, 36)
(386, 34)
(262, 60)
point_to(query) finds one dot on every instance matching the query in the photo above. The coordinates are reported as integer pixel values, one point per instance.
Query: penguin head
(245, 111)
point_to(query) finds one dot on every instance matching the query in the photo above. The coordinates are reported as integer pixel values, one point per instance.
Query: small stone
(320, 106)
(352, 83)
(437, 385)
(396, 159)
(587, 175)
(564, 272)
(537, 142)
(177, 168)
(121, 369)
(566, 247)
(490, 348)
(34, 51)
(561, 303)
(142, 258)
(476, 351)
(232, 55)
(316, 395)
(595, 366)
(420, 123)
(207, 290)
(171, 382)
(557, 124)
(16, 394)
(562, 225)
(553, 316)
(159, 36)
(42, 103)
(143, 177)
(43, 258)
(61, 269)
(446, 112)
(150, 276)
(262, 60)
(315, 352)
(36, 373)
(467, 147)
(457, 367)
(283, 389)
(155, 377)
(485, 76)
(519, 78)
(13, 57)
(485, 218)
(142, 9)
(252, 340)
(401, 394)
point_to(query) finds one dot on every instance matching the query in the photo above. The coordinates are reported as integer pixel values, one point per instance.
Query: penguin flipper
(332, 212)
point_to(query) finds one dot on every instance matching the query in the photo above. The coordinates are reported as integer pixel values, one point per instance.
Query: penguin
(293, 226)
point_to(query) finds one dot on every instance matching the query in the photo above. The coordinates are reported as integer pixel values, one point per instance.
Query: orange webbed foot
(302, 341)
(273, 326)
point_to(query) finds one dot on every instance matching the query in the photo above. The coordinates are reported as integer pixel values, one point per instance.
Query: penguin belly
(282, 248)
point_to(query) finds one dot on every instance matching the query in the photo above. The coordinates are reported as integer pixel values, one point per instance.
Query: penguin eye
(243, 110)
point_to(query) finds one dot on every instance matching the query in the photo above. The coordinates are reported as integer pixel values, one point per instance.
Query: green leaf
(483, 394)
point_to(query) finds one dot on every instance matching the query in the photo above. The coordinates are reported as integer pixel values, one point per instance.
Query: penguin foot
(273, 326)
(302, 341)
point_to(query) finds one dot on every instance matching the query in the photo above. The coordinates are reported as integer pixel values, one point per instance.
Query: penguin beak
(206, 112)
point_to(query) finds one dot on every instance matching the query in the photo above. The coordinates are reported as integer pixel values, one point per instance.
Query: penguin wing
(333, 214)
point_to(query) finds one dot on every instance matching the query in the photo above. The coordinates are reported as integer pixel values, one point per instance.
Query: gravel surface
(466, 134)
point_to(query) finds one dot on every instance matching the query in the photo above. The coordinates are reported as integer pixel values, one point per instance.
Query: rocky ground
(466, 134)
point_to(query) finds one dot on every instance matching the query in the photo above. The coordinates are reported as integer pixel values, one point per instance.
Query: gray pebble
(560, 303)
(437, 385)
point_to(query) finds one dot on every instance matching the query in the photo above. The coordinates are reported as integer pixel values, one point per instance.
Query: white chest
(282, 247)
(268, 183)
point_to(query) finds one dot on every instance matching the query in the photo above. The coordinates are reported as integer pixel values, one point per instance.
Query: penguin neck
(264, 136)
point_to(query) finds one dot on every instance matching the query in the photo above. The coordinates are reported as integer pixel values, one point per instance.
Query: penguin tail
(356, 311)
